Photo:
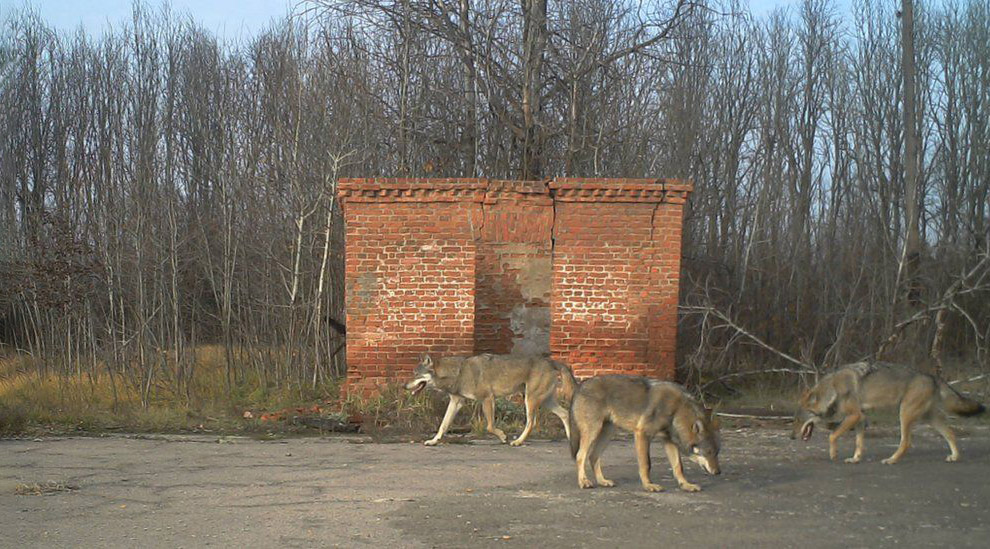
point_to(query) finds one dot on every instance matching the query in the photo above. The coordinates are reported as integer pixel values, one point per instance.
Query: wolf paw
(585, 483)
(689, 487)
(605, 483)
(852, 460)
(516, 442)
(653, 487)
(889, 461)
(951, 458)
(431, 442)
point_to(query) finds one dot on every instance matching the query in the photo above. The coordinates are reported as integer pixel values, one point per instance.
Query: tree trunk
(534, 46)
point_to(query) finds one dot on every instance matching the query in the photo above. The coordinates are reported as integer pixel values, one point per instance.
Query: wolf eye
(695, 449)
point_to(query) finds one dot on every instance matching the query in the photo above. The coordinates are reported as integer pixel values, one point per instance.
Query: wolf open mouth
(418, 387)
(806, 431)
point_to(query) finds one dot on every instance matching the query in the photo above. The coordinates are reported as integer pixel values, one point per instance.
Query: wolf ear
(699, 427)
(426, 361)
(829, 398)
(712, 418)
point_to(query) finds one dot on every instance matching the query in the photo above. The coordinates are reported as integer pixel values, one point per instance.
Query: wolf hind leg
(643, 456)
(588, 435)
(488, 408)
(532, 404)
(939, 423)
(909, 414)
(556, 409)
(596, 454)
(916, 404)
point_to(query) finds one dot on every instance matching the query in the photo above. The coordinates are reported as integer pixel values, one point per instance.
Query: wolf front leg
(452, 408)
(860, 438)
(848, 423)
(674, 457)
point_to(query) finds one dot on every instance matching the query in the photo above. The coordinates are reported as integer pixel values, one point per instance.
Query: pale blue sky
(228, 18)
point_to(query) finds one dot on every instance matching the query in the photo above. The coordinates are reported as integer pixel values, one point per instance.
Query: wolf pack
(650, 408)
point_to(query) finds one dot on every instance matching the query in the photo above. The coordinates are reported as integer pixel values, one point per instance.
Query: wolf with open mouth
(841, 399)
(485, 377)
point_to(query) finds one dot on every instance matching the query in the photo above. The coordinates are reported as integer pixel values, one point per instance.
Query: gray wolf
(646, 407)
(485, 377)
(842, 397)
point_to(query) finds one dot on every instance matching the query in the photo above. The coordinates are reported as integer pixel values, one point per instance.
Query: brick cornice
(503, 190)
(411, 190)
(567, 189)
(575, 189)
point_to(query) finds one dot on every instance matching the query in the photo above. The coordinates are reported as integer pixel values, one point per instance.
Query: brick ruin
(584, 269)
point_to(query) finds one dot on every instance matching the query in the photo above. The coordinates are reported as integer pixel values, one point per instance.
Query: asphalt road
(201, 491)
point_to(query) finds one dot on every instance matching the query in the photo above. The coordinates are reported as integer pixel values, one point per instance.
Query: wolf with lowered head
(484, 377)
(648, 408)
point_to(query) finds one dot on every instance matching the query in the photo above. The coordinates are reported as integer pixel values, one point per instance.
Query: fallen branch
(809, 369)
(974, 378)
(757, 372)
(750, 416)
(946, 301)
(895, 334)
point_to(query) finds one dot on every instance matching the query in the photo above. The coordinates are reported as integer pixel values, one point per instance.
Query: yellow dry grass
(94, 402)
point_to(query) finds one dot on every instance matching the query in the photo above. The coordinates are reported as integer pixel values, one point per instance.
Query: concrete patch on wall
(513, 298)
(530, 327)
(534, 276)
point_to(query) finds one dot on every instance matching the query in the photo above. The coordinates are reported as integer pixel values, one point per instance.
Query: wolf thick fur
(845, 395)
(485, 377)
(648, 408)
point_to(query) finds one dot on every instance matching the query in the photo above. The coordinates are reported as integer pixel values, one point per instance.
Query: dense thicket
(161, 188)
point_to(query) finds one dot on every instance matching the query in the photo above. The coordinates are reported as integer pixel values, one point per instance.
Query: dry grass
(30, 402)
(397, 414)
(98, 402)
(47, 487)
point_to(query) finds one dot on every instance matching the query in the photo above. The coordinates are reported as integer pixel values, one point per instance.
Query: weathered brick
(584, 268)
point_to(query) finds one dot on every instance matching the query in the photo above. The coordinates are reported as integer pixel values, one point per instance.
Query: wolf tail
(570, 382)
(958, 404)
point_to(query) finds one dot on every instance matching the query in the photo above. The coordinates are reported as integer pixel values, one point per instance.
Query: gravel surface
(197, 491)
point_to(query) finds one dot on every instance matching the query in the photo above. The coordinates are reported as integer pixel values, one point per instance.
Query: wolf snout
(416, 385)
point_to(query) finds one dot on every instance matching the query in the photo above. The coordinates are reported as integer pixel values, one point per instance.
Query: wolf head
(698, 437)
(816, 405)
(423, 376)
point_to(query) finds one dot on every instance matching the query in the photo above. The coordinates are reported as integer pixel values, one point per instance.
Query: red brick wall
(617, 249)
(410, 268)
(585, 268)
